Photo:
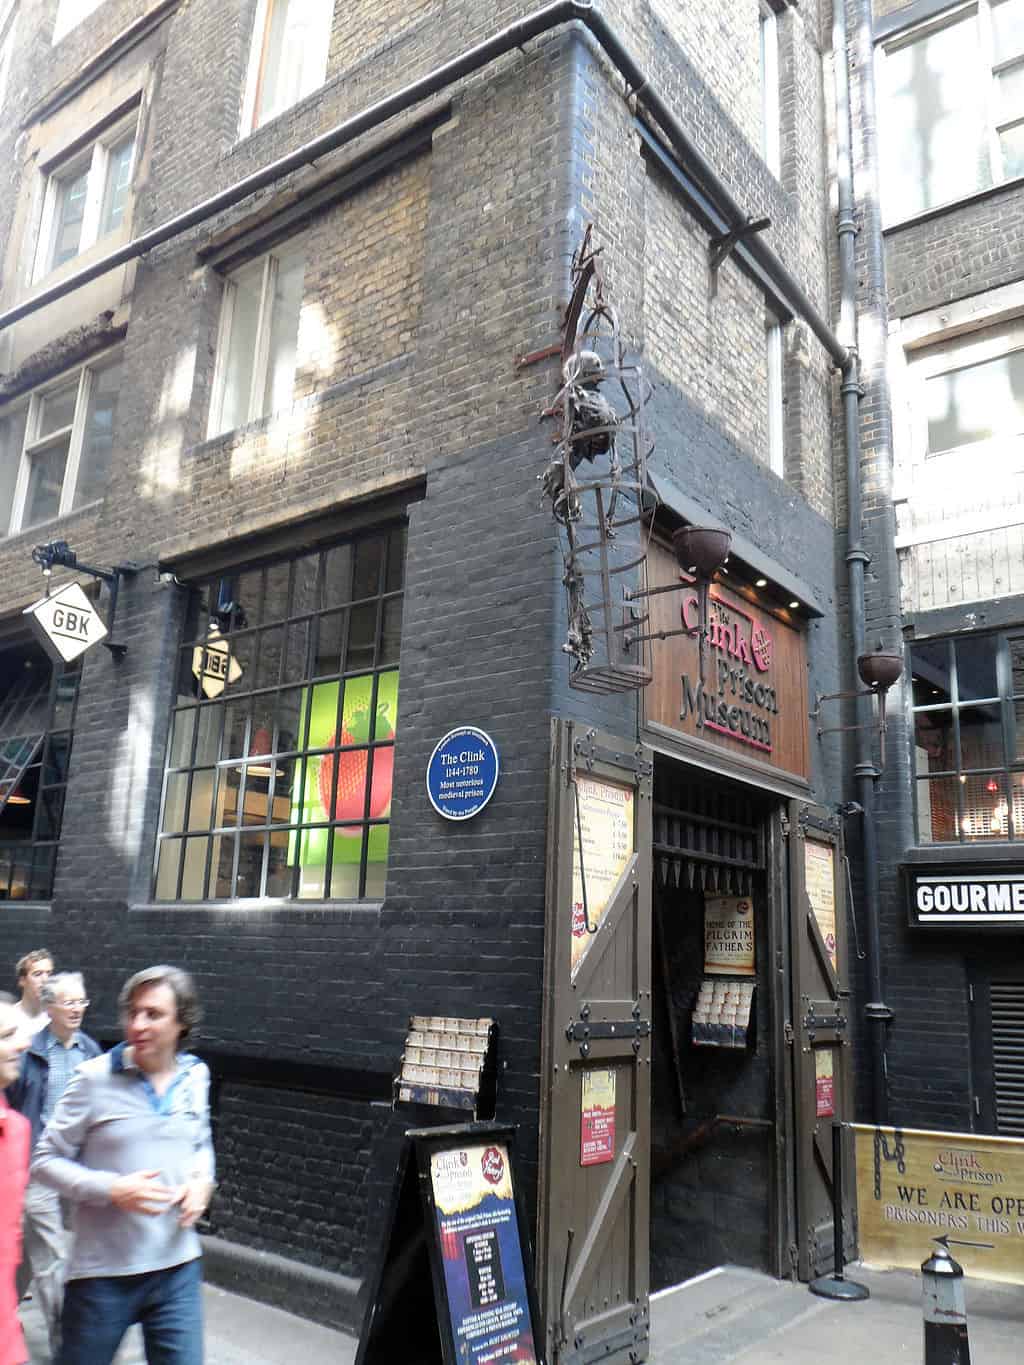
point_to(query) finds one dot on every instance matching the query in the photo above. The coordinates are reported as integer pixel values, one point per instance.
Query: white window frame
(261, 351)
(34, 444)
(260, 38)
(936, 342)
(771, 105)
(96, 157)
(70, 14)
(776, 397)
(8, 24)
(989, 71)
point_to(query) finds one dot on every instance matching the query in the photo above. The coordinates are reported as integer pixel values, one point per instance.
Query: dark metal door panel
(820, 1026)
(592, 1235)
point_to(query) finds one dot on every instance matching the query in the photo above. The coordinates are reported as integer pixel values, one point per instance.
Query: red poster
(824, 1083)
(597, 1118)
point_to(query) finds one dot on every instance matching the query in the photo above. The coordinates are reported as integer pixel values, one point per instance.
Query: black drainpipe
(866, 773)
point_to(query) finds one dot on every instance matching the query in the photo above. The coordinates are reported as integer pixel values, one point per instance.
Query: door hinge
(784, 825)
(788, 1034)
(970, 992)
(977, 1106)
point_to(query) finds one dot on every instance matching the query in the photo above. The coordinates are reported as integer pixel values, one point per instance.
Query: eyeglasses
(72, 1004)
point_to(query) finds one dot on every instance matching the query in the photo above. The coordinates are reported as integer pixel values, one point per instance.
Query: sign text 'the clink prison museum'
(753, 697)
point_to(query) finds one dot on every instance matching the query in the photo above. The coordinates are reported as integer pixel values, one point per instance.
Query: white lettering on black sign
(980, 899)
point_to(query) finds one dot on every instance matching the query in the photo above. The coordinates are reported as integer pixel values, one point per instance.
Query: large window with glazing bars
(969, 738)
(281, 749)
(37, 714)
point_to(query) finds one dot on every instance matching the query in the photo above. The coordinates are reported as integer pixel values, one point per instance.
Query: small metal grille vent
(1008, 1056)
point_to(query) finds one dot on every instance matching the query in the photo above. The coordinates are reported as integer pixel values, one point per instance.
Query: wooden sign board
(454, 1279)
(753, 701)
(914, 1186)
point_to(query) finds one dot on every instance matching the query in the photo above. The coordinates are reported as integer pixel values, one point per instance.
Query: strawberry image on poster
(352, 767)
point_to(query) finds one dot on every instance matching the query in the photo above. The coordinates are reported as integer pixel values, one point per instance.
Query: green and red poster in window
(335, 784)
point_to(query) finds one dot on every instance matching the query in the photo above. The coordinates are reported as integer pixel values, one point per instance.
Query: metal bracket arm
(721, 247)
(60, 554)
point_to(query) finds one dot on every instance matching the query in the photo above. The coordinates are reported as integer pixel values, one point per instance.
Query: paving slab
(734, 1315)
(239, 1331)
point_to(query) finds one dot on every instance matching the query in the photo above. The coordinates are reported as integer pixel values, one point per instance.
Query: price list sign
(600, 857)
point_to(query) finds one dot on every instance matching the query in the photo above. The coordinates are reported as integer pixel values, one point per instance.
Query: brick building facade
(309, 421)
(941, 165)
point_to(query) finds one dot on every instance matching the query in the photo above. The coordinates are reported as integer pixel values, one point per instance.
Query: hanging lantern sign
(67, 623)
(214, 664)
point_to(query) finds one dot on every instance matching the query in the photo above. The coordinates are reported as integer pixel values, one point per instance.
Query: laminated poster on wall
(824, 1082)
(606, 823)
(820, 883)
(597, 1116)
(482, 1256)
(729, 948)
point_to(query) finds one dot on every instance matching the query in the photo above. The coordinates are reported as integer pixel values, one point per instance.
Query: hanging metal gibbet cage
(597, 484)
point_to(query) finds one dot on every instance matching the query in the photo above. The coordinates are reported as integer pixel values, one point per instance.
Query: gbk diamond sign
(67, 622)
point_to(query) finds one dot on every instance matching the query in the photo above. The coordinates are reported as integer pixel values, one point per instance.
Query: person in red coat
(14, 1153)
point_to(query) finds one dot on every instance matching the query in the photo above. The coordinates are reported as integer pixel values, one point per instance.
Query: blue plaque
(462, 773)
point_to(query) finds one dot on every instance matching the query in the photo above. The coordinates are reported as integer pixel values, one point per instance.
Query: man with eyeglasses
(51, 1060)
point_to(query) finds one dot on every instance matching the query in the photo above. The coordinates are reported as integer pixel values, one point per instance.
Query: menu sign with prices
(722, 1014)
(820, 881)
(452, 1283)
(605, 820)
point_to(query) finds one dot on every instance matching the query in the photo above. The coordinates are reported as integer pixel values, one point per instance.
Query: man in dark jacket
(46, 1067)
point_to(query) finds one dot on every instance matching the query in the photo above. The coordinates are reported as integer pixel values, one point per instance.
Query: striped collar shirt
(62, 1063)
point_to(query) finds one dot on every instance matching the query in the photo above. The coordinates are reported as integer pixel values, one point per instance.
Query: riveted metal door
(593, 1205)
(819, 1028)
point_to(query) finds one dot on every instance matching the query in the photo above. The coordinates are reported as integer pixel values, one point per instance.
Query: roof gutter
(508, 39)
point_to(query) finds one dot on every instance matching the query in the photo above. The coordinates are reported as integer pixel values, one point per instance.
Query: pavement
(729, 1314)
(732, 1314)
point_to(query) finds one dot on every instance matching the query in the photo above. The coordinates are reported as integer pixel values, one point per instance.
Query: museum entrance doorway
(713, 1084)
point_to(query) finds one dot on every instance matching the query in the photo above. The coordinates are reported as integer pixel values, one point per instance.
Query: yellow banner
(914, 1186)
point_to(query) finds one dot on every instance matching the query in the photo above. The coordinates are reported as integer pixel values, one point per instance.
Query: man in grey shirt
(129, 1146)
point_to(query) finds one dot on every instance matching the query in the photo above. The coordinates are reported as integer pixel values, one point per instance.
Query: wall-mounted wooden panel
(753, 701)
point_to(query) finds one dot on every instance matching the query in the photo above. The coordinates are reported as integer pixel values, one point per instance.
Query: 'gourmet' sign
(753, 696)
(953, 898)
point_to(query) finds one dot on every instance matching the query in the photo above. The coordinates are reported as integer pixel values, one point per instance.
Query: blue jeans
(167, 1303)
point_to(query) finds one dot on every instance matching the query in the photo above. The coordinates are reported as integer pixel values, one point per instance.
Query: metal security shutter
(1007, 1004)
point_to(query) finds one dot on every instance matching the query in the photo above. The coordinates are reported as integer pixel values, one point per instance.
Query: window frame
(1005, 771)
(994, 126)
(254, 412)
(249, 621)
(250, 121)
(942, 356)
(33, 443)
(771, 91)
(95, 157)
(8, 26)
(775, 365)
(59, 675)
(70, 13)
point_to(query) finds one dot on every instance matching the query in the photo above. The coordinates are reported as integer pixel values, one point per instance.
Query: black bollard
(836, 1286)
(945, 1311)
